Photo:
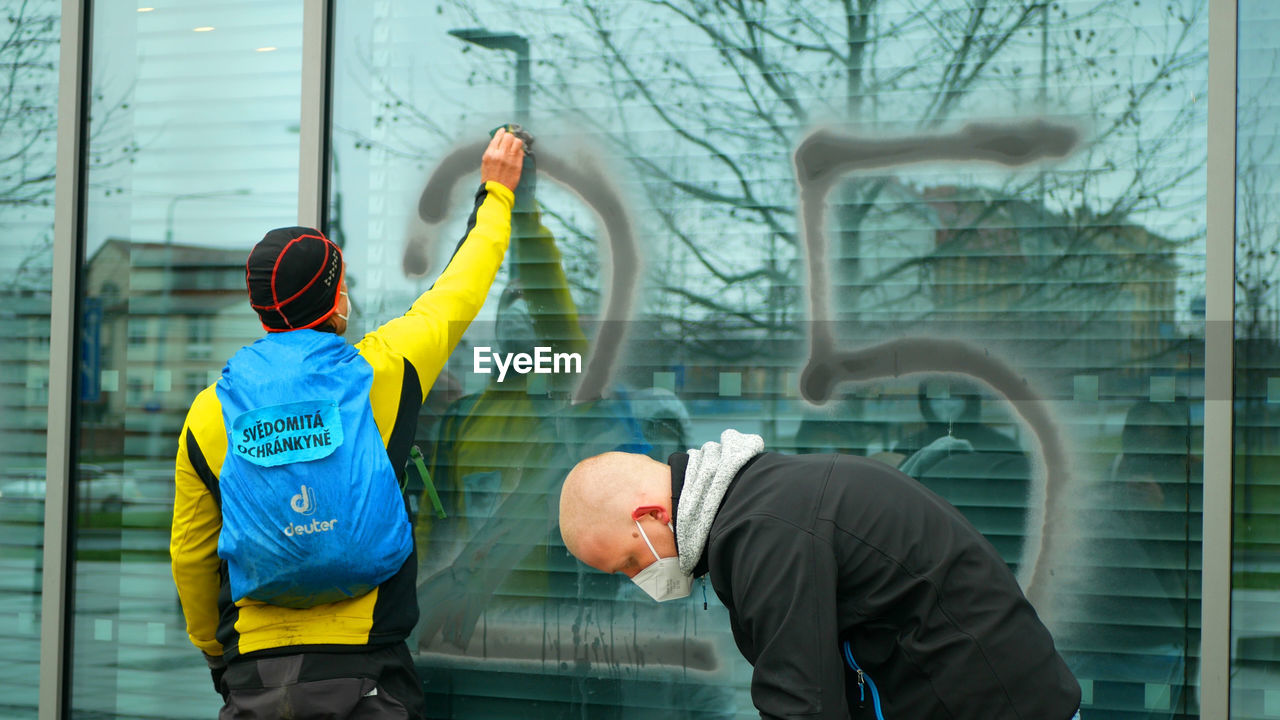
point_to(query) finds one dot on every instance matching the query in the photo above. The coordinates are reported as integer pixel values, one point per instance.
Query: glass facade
(193, 147)
(968, 239)
(29, 40)
(1255, 652)
(1024, 336)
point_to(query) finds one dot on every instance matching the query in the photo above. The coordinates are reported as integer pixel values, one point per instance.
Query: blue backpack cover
(311, 509)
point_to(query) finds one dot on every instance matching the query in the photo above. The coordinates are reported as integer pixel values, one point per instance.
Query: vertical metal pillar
(313, 167)
(64, 347)
(1215, 619)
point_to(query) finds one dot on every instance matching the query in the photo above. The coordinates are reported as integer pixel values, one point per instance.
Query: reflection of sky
(210, 114)
(464, 90)
(1257, 150)
(1257, 65)
(27, 137)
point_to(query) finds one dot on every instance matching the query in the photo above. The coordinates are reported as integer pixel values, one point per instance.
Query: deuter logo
(304, 502)
(316, 526)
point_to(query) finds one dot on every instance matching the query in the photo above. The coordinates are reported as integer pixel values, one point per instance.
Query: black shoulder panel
(201, 466)
(406, 425)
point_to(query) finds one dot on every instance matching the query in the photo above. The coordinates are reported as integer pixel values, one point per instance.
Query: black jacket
(810, 551)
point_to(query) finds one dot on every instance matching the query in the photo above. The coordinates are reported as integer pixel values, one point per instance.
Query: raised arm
(428, 333)
(545, 286)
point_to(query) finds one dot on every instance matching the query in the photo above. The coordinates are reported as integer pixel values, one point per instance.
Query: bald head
(598, 504)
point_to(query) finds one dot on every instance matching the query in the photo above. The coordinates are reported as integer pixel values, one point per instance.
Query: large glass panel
(29, 31)
(1028, 334)
(1255, 594)
(194, 144)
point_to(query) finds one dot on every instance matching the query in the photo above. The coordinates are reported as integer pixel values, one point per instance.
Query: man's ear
(656, 511)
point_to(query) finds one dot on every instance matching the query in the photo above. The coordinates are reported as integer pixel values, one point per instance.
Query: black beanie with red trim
(294, 277)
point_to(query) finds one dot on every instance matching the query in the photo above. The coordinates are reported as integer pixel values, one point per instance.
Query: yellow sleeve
(545, 285)
(193, 543)
(428, 333)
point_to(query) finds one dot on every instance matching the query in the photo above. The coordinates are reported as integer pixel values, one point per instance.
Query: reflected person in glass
(291, 548)
(497, 462)
(497, 458)
(853, 590)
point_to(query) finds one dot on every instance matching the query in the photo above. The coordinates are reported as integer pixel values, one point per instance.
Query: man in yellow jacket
(297, 419)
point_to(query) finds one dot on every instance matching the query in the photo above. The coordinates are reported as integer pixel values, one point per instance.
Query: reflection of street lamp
(517, 44)
(167, 281)
(155, 405)
(168, 215)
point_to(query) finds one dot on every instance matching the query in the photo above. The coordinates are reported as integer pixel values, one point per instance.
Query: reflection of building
(965, 255)
(1070, 293)
(1109, 284)
(896, 238)
(170, 316)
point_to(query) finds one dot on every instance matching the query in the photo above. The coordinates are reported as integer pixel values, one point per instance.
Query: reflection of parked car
(112, 496)
(22, 500)
(22, 493)
(100, 490)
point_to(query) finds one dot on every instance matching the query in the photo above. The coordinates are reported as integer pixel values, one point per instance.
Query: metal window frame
(68, 248)
(1219, 417)
(315, 120)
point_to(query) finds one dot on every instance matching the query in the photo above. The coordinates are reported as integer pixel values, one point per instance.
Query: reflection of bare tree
(29, 38)
(1257, 264)
(27, 110)
(706, 100)
(28, 127)
(398, 115)
(1258, 217)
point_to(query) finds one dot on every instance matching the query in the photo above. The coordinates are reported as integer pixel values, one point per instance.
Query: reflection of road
(1255, 634)
(19, 622)
(131, 655)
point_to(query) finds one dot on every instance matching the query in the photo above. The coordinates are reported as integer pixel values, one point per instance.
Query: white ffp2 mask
(344, 317)
(662, 580)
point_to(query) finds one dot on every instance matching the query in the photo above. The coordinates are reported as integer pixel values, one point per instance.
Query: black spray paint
(586, 177)
(821, 159)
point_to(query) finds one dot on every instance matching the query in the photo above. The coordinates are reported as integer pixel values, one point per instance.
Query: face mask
(662, 580)
(344, 317)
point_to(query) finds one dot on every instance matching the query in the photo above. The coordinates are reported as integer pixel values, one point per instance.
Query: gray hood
(706, 479)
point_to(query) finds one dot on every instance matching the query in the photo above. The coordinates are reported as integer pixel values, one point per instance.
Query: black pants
(378, 684)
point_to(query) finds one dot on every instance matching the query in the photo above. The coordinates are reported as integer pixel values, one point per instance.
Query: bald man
(853, 590)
